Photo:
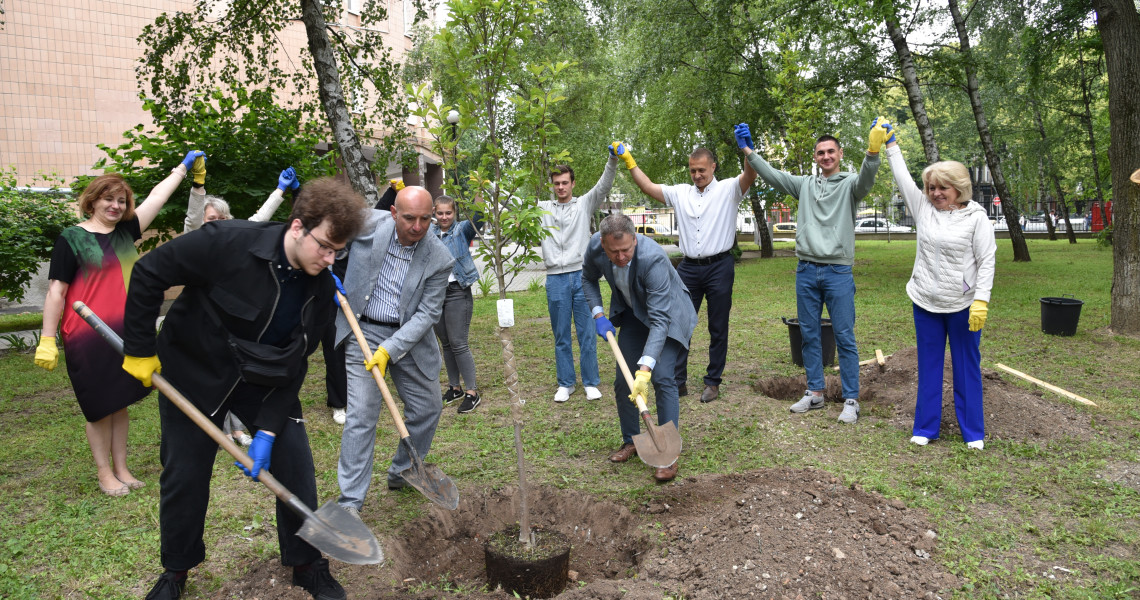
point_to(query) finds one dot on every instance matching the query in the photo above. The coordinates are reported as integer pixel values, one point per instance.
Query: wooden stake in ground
(1047, 386)
(511, 379)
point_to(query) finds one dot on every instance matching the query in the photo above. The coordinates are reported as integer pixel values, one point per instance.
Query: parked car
(654, 229)
(879, 226)
(789, 227)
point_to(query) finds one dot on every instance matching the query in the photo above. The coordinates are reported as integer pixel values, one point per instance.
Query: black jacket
(230, 265)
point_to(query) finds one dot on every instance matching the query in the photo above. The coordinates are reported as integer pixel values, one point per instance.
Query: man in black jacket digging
(265, 288)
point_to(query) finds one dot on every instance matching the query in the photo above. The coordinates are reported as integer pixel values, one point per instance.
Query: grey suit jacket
(659, 299)
(421, 297)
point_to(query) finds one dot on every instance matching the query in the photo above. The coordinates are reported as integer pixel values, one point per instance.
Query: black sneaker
(169, 586)
(451, 395)
(470, 401)
(316, 579)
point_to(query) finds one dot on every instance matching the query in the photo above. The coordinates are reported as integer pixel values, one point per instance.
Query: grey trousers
(452, 330)
(422, 408)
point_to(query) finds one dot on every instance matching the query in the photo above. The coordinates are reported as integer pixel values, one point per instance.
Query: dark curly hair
(327, 199)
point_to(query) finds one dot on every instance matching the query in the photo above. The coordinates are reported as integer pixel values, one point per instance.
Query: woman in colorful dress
(92, 262)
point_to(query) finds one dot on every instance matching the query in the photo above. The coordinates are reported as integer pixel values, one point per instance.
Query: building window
(409, 16)
(353, 6)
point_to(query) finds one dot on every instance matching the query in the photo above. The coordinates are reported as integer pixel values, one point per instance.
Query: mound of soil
(768, 534)
(1012, 412)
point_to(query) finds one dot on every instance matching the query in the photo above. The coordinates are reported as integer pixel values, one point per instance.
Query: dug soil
(771, 533)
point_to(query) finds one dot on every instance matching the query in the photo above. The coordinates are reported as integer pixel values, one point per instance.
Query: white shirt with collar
(706, 220)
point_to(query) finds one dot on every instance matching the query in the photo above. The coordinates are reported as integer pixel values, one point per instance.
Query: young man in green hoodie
(825, 247)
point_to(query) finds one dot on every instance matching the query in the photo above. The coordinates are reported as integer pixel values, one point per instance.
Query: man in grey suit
(397, 279)
(652, 306)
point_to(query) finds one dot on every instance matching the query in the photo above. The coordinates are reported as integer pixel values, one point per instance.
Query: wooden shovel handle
(640, 401)
(383, 385)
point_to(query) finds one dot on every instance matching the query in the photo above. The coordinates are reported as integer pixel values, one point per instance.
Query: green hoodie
(825, 225)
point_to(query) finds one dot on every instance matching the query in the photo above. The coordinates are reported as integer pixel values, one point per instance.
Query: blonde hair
(220, 206)
(952, 173)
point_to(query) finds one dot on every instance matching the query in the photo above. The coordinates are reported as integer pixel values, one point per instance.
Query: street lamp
(453, 118)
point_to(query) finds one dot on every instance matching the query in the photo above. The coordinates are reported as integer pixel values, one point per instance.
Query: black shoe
(316, 579)
(169, 586)
(470, 401)
(396, 483)
(451, 395)
(682, 390)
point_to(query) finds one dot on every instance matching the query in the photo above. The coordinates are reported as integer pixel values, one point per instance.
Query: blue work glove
(260, 451)
(339, 287)
(191, 156)
(602, 325)
(287, 180)
(743, 136)
(891, 130)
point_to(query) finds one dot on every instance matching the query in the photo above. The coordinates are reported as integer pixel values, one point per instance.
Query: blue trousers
(931, 330)
(631, 342)
(565, 300)
(834, 286)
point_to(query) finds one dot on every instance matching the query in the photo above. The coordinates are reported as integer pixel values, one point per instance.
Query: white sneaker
(592, 393)
(976, 445)
(918, 440)
(339, 416)
(850, 412)
(245, 440)
(563, 394)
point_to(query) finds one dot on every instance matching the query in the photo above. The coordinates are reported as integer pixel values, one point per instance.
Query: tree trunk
(332, 100)
(1020, 249)
(1119, 26)
(913, 91)
(1051, 167)
(759, 219)
(1088, 123)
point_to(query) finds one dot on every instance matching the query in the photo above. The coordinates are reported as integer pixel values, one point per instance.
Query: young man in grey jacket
(825, 247)
(567, 219)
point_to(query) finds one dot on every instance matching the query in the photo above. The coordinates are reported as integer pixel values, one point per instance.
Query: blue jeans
(564, 297)
(931, 330)
(818, 285)
(631, 342)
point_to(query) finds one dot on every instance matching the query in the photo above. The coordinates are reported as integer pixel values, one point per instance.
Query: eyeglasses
(325, 249)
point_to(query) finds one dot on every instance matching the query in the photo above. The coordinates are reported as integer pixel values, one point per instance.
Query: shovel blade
(432, 483)
(335, 532)
(659, 446)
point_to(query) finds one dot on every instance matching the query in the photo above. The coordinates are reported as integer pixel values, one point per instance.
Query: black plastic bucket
(797, 341)
(1059, 316)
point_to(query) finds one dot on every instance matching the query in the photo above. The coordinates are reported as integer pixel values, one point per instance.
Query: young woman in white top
(950, 288)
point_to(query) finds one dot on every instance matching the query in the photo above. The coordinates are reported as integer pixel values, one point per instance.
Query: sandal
(115, 492)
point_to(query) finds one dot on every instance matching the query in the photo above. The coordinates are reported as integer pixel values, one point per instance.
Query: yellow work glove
(978, 311)
(142, 368)
(878, 136)
(398, 184)
(47, 355)
(619, 150)
(379, 359)
(198, 171)
(640, 385)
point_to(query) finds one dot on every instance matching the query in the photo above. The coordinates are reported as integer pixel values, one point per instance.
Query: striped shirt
(384, 305)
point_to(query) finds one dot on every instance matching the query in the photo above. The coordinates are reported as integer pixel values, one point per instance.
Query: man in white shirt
(568, 220)
(706, 226)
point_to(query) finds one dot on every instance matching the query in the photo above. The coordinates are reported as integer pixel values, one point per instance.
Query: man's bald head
(412, 213)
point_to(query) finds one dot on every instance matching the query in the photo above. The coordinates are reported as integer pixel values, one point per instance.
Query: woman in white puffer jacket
(950, 287)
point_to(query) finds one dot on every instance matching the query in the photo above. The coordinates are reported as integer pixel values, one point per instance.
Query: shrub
(30, 222)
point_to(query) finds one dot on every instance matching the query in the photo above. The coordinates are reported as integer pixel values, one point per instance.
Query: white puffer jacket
(954, 262)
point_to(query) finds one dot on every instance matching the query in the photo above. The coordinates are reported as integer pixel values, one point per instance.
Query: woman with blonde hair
(92, 262)
(950, 288)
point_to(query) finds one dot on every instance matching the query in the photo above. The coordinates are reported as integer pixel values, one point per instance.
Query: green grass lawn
(1000, 513)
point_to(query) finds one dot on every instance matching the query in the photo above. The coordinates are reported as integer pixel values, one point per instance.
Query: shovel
(331, 529)
(659, 445)
(427, 478)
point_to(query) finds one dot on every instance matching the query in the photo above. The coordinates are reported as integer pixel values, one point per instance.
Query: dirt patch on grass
(1012, 412)
(769, 533)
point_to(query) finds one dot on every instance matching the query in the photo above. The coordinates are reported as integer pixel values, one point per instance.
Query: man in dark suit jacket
(395, 282)
(653, 309)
